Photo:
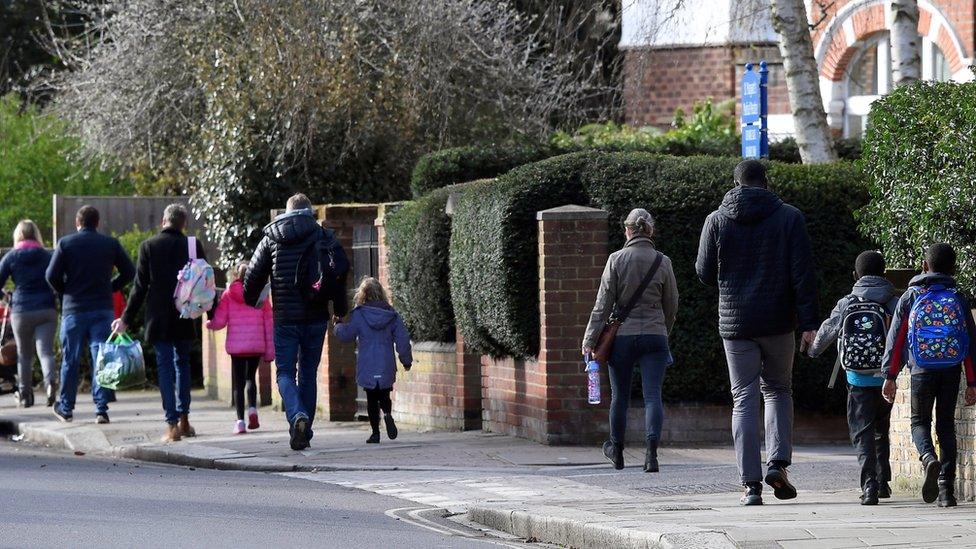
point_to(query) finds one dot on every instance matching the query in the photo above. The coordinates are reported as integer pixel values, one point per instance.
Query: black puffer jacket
(755, 248)
(277, 256)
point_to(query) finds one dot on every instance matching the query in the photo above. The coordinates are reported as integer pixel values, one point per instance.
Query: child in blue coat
(378, 329)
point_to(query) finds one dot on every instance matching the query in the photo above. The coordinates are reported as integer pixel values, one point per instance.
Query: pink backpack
(195, 286)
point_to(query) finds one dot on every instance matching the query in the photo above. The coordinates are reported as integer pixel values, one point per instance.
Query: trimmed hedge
(494, 263)
(418, 236)
(918, 155)
(463, 164)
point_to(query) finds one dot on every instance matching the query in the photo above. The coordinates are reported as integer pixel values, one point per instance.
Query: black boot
(650, 458)
(614, 453)
(947, 493)
(25, 398)
(870, 495)
(930, 483)
(884, 492)
(777, 479)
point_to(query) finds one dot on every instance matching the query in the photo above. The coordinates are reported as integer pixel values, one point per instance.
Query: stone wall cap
(571, 212)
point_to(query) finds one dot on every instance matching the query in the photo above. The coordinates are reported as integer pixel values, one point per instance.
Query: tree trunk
(906, 63)
(803, 82)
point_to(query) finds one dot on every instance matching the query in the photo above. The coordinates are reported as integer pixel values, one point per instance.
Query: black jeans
(869, 418)
(376, 399)
(941, 388)
(243, 370)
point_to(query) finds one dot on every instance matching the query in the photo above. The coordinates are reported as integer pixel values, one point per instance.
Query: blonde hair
(369, 290)
(27, 230)
(238, 272)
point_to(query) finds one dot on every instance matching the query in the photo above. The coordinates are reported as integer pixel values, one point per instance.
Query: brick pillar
(468, 391)
(337, 371)
(383, 264)
(573, 249)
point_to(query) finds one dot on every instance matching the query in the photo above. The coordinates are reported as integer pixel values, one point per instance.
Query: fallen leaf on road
(43, 465)
(79, 453)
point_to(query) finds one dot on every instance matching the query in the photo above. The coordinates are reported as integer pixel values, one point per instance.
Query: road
(58, 499)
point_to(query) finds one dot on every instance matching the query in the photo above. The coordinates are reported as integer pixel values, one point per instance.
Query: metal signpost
(755, 108)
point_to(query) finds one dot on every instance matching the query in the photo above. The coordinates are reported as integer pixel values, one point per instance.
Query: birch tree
(803, 81)
(906, 63)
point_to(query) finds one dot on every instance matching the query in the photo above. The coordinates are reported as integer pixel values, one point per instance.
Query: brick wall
(442, 390)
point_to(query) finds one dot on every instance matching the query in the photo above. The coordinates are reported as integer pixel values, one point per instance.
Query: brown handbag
(604, 343)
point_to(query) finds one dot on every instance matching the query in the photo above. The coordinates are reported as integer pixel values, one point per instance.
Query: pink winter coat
(250, 331)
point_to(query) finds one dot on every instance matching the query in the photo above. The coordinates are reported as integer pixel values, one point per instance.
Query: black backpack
(322, 270)
(862, 337)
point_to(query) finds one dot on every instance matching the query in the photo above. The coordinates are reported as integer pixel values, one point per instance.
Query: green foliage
(494, 280)
(37, 160)
(462, 164)
(418, 237)
(918, 157)
(788, 151)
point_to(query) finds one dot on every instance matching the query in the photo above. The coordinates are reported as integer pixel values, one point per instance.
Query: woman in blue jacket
(378, 329)
(33, 313)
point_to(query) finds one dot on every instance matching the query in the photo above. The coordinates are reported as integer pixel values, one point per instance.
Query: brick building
(674, 58)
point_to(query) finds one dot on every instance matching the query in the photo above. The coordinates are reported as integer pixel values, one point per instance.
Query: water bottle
(592, 380)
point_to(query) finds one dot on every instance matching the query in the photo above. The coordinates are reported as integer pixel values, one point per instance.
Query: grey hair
(298, 202)
(175, 216)
(640, 221)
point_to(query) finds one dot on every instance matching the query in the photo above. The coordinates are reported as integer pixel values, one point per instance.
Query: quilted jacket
(250, 331)
(756, 250)
(277, 255)
(378, 330)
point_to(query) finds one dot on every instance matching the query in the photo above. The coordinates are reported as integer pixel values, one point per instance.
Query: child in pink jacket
(250, 338)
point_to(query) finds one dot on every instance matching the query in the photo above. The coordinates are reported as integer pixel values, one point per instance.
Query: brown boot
(172, 433)
(186, 430)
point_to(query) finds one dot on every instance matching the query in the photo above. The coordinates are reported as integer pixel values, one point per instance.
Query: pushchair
(8, 351)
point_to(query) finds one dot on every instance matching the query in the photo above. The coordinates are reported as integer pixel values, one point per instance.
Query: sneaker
(777, 479)
(752, 494)
(930, 484)
(391, 428)
(61, 415)
(239, 427)
(299, 434)
(373, 438)
(614, 453)
(101, 418)
(884, 492)
(252, 418)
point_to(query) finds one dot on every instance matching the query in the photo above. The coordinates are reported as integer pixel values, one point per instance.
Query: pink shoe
(239, 428)
(252, 418)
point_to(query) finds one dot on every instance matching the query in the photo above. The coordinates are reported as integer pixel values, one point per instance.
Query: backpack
(195, 287)
(937, 332)
(863, 334)
(322, 270)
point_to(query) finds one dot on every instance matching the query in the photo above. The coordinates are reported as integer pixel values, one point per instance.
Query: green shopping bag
(120, 364)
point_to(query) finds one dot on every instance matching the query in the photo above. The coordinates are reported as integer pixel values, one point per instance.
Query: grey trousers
(34, 330)
(761, 366)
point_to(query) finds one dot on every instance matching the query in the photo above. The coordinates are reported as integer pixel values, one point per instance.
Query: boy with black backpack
(859, 324)
(934, 333)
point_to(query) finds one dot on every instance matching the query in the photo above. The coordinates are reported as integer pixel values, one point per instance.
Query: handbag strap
(191, 247)
(622, 314)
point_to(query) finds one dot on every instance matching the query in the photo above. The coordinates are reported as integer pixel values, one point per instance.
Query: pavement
(562, 495)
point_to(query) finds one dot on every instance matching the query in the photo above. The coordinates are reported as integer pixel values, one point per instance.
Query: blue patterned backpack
(937, 333)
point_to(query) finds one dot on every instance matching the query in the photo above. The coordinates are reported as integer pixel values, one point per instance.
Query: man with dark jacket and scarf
(161, 258)
(756, 250)
(299, 326)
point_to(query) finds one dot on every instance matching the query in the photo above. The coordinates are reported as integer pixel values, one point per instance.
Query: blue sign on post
(755, 109)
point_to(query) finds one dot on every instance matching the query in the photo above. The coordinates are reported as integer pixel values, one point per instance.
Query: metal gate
(365, 262)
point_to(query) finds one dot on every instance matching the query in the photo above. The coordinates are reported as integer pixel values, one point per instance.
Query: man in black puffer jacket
(755, 248)
(300, 326)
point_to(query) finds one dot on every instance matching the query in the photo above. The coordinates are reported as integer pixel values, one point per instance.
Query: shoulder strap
(622, 314)
(191, 243)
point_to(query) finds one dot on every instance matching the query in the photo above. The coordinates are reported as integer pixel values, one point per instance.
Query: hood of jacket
(931, 279)
(377, 315)
(639, 240)
(749, 204)
(292, 227)
(874, 288)
(235, 292)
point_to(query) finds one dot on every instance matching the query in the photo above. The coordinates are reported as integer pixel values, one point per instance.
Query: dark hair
(175, 216)
(298, 202)
(87, 217)
(941, 258)
(870, 263)
(750, 173)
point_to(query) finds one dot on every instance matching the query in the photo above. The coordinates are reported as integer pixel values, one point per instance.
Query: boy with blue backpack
(859, 324)
(934, 333)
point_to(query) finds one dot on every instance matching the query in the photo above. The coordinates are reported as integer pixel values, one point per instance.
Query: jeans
(651, 354)
(941, 388)
(173, 371)
(78, 330)
(869, 419)
(761, 366)
(298, 345)
(34, 330)
(243, 371)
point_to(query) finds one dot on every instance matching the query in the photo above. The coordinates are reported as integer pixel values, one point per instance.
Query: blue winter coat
(377, 327)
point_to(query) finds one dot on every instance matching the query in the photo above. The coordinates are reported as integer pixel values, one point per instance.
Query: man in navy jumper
(81, 273)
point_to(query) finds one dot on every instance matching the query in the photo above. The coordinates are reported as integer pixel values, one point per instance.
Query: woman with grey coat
(642, 339)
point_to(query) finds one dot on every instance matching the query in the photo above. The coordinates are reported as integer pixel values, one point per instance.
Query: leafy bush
(494, 281)
(418, 237)
(462, 164)
(918, 157)
(37, 160)
(788, 151)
